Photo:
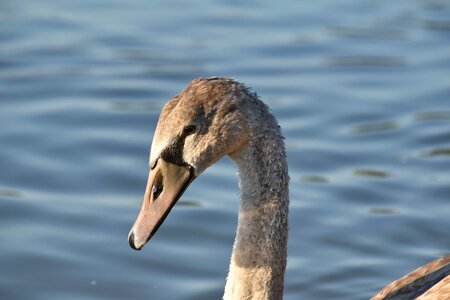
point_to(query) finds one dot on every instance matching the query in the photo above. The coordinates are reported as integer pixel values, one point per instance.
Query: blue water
(361, 90)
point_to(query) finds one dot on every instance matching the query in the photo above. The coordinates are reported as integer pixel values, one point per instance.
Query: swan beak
(166, 183)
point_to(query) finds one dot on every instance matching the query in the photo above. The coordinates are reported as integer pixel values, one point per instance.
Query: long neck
(258, 260)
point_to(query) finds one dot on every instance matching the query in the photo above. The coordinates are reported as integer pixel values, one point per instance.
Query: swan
(428, 282)
(211, 118)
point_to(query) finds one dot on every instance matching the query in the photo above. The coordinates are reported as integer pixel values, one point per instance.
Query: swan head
(208, 120)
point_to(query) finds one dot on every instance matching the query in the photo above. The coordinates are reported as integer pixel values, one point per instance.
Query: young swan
(215, 117)
(209, 119)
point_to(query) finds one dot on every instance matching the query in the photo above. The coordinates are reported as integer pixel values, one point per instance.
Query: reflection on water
(438, 152)
(383, 211)
(136, 106)
(374, 127)
(314, 179)
(433, 115)
(187, 202)
(366, 61)
(10, 193)
(439, 25)
(360, 89)
(367, 33)
(371, 173)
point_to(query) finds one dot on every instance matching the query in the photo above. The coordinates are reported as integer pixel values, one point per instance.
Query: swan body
(209, 119)
(431, 281)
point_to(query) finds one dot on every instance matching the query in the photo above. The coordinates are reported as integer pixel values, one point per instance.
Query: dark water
(360, 88)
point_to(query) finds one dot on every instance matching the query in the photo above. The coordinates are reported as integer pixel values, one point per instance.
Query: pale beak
(166, 183)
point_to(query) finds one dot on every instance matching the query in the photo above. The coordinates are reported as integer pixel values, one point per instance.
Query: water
(360, 88)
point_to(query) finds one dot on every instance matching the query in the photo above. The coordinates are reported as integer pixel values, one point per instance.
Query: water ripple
(437, 25)
(437, 152)
(386, 211)
(314, 179)
(432, 115)
(360, 89)
(366, 61)
(374, 127)
(135, 106)
(10, 193)
(367, 33)
(371, 173)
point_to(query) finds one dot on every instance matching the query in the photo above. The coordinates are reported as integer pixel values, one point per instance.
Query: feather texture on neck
(258, 260)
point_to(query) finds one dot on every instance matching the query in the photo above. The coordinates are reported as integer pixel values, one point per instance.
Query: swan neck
(258, 259)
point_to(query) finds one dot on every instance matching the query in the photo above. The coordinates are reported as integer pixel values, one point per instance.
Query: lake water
(361, 90)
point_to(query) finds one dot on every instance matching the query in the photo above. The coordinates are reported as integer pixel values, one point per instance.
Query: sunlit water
(360, 88)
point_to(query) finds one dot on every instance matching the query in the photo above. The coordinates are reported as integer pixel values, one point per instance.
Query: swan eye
(190, 129)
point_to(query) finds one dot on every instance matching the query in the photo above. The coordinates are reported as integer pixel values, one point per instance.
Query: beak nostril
(158, 186)
(157, 189)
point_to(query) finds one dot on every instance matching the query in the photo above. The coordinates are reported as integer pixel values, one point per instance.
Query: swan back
(431, 281)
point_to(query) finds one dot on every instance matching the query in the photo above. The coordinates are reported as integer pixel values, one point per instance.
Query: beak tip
(131, 241)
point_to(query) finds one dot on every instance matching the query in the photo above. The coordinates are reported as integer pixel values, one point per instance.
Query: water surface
(360, 88)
